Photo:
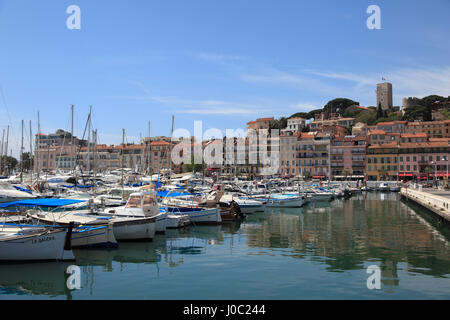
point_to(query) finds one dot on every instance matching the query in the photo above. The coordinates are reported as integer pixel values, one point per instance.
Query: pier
(437, 201)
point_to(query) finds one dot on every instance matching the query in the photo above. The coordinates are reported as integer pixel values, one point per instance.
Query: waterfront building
(288, 154)
(382, 162)
(314, 155)
(424, 160)
(50, 149)
(348, 157)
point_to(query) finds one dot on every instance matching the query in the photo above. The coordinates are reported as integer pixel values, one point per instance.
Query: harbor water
(320, 251)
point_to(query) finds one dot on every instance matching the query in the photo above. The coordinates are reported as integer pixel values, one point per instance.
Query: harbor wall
(437, 204)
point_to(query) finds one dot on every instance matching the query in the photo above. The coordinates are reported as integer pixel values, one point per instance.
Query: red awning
(405, 175)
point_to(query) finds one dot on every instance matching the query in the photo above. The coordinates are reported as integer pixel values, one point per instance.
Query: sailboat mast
(123, 146)
(72, 161)
(6, 151)
(31, 153)
(149, 143)
(21, 158)
(1, 153)
(170, 147)
(38, 148)
(89, 141)
(95, 157)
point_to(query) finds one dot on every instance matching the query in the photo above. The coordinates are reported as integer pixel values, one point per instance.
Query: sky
(222, 62)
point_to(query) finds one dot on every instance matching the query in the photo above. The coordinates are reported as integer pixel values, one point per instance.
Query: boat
(282, 200)
(8, 193)
(124, 228)
(144, 204)
(29, 244)
(383, 187)
(245, 204)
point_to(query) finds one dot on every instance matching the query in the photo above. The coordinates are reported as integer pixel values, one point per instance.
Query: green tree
(368, 117)
(339, 106)
(417, 113)
(192, 167)
(27, 162)
(379, 112)
(9, 164)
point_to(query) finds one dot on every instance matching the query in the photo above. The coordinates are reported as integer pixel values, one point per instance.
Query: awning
(319, 177)
(41, 203)
(406, 175)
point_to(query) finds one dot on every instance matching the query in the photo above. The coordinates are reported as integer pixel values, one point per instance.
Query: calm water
(320, 251)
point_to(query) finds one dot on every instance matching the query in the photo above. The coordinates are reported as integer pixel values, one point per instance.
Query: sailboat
(29, 243)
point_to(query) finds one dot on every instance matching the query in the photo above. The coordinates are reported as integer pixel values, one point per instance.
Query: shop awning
(406, 175)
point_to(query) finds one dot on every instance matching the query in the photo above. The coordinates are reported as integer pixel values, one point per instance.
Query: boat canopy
(169, 194)
(41, 203)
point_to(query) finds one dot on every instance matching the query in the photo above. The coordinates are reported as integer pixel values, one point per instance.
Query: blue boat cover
(22, 189)
(40, 203)
(164, 194)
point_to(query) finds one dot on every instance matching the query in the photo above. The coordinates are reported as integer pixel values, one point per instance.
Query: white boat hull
(139, 229)
(47, 246)
(284, 203)
(211, 216)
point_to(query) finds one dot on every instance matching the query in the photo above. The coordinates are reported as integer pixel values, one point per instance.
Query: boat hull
(44, 246)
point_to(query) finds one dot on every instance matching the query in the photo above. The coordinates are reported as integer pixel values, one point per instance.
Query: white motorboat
(383, 187)
(144, 204)
(27, 244)
(9, 194)
(245, 204)
(282, 200)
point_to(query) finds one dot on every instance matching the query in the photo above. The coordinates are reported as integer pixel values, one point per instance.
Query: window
(134, 202)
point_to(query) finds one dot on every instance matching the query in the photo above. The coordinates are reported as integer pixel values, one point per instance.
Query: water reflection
(346, 234)
(342, 235)
(47, 279)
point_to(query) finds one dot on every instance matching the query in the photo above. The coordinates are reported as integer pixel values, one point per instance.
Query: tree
(379, 112)
(8, 164)
(368, 117)
(339, 106)
(192, 167)
(278, 124)
(27, 162)
(417, 113)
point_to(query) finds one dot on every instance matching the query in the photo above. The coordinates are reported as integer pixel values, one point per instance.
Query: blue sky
(222, 62)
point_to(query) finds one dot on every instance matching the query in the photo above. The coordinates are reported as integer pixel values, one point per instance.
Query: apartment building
(348, 157)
